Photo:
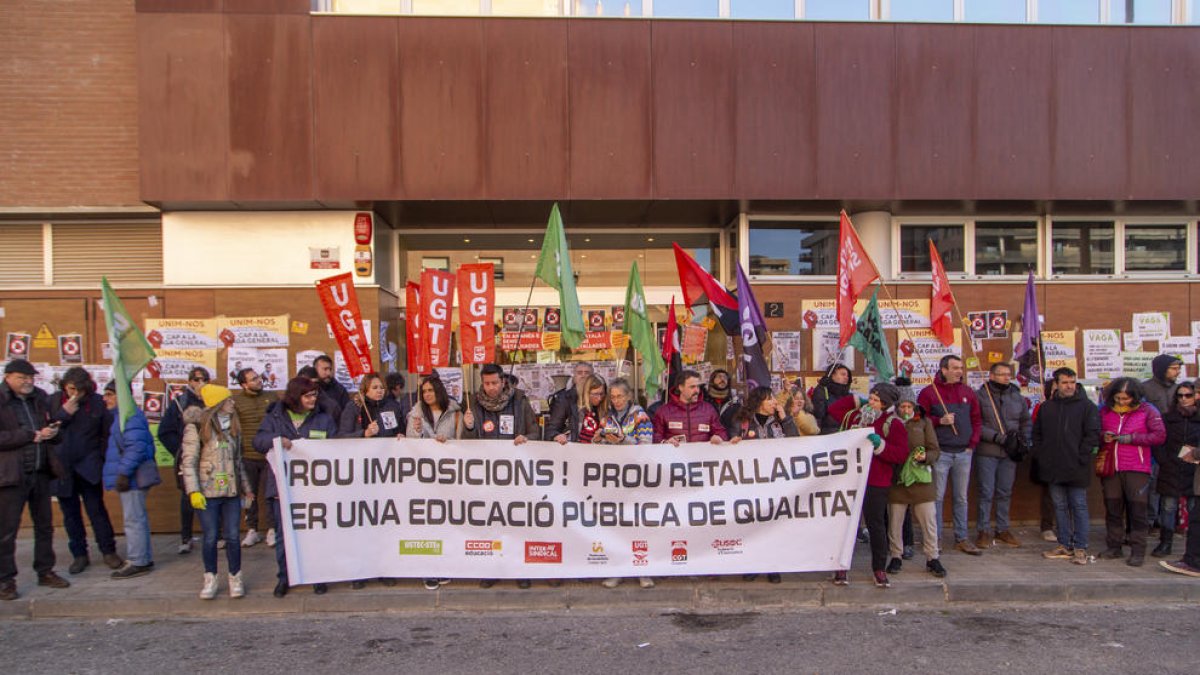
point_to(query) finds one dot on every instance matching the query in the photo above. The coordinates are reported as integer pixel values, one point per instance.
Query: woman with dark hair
(295, 417)
(1130, 429)
(371, 413)
(436, 415)
(833, 386)
(1176, 475)
(761, 416)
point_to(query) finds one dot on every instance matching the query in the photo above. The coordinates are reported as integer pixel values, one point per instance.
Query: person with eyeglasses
(251, 405)
(1177, 471)
(170, 434)
(295, 416)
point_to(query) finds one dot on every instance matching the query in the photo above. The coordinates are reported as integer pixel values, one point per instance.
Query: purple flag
(1031, 323)
(754, 330)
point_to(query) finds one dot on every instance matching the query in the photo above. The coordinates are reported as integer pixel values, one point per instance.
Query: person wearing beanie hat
(889, 394)
(912, 492)
(216, 483)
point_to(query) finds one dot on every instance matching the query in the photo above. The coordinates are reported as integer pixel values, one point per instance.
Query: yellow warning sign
(45, 339)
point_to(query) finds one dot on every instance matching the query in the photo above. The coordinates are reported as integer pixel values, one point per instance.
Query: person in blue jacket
(85, 422)
(130, 469)
(295, 416)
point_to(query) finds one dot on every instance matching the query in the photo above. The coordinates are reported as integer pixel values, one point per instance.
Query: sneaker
(1059, 552)
(841, 578)
(1180, 567)
(774, 578)
(320, 589)
(935, 568)
(646, 582)
(358, 585)
(983, 541)
(237, 588)
(908, 553)
(1049, 535)
(444, 582)
(130, 571)
(524, 584)
(53, 580)
(894, 566)
(79, 564)
(1111, 554)
(8, 590)
(1008, 539)
(881, 580)
(967, 547)
(251, 538)
(611, 582)
(209, 591)
(271, 537)
(185, 547)
(487, 583)
(431, 584)
(864, 537)
(1081, 557)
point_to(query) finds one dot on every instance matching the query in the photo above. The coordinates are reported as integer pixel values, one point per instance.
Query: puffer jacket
(942, 397)
(1144, 426)
(1014, 418)
(212, 467)
(1066, 432)
(19, 421)
(1175, 476)
(697, 422)
(277, 424)
(448, 424)
(825, 393)
(84, 440)
(131, 453)
(920, 435)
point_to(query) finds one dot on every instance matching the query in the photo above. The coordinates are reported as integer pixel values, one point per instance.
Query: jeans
(995, 477)
(1168, 512)
(186, 515)
(280, 555)
(92, 496)
(225, 513)
(256, 472)
(137, 528)
(1071, 515)
(875, 507)
(35, 491)
(1153, 507)
(955, 466)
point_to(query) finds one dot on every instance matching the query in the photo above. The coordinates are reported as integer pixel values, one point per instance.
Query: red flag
(437, 295)
(855, 272)
(414, 339)
(700, 287)
(941, 300)
(341, 309)
(670, 347)
(476, 308)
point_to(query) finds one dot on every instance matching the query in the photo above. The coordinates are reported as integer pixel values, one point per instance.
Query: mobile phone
(55, 424)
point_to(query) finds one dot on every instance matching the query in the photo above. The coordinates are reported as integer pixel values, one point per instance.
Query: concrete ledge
(66, 607)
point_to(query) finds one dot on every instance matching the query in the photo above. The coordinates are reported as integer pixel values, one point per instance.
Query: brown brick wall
(68, 103)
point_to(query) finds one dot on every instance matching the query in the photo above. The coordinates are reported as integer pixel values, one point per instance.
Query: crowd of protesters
(1140, 443)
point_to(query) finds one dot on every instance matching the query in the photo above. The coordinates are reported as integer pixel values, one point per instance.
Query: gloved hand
(1125, 439)
(876, 441)
(122, 483)
(198, 501)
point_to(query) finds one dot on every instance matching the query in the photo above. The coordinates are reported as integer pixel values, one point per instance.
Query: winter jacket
(1175, 476)
(727, 408)
(130, 453)
(774, 427)
(170, 429)
(212, 466)
(250, 409)
(806, 422)
(920, 435)
(84, 441)
(1065, 435)
(942, 397)
(1158, 389)
(564, 407)
(843, 410)
(386, 412)
(825, 393)
(516, 418)
(334, 398)
(698, 422)
(1014, 418)
(448, 424)
(20, 420)
(635, 425)
(1144, 427)
(278, 424)
(892, 454)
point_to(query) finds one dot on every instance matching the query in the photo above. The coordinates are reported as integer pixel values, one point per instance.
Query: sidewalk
(1001, 575)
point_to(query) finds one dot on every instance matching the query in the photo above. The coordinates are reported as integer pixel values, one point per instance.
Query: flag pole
(521, 325)
(970, 340)
(920, 359)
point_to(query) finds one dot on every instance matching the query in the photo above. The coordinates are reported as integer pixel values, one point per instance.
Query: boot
(210, 586)
(237, 589)
(1164, 544)
(79, 564)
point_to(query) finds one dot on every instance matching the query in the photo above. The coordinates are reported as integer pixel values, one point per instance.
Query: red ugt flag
(941, 300)
(414, 339)
(341, 309)
(855, 272)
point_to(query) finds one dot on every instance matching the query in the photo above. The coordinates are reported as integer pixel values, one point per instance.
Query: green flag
(130, 350)
(641, 332)
(868, 338)
(554, 268)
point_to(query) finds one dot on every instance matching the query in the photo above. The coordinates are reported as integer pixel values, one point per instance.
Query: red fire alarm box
(362, 228)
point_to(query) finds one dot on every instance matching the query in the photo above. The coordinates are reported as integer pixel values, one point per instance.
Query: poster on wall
(1151, 325)
(182, 334)
(70, 349)
(17, 346)
(452, 378)
(1058, 350)
(154, 404)
(1184, 348)
(893, 314)
(785, 351)
(919, 353)
(977, 324)
(174, 364)
(271, 364)
(253, 331)
(305, 357)
(1137, 364)
(1102, 354)
(825, 350)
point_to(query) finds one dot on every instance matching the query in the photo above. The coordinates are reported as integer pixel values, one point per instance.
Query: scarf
(868, 415)
(1122, 409)
(496, 403)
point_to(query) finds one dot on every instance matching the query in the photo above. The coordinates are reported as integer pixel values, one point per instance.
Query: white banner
(365, 508)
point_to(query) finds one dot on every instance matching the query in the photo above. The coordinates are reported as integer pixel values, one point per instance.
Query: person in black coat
(830, 388)
(1175, 476)
(84, 428)
(170, 434)
(381, 416)
(331, 389)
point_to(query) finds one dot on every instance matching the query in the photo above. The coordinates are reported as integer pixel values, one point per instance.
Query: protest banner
(271, 364)
(414, 335)
(476, 305)
(182, 333)
(893, 313)
(366, 508)
(253, 331)
(1058, 349)
(1102, 354)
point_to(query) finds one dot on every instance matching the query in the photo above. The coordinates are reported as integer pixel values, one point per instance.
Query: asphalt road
(1074, 639)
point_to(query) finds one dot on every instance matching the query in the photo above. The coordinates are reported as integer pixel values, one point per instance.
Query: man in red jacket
(685, 418)
(954, 410)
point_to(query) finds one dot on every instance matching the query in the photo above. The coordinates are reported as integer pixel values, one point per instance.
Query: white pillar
(875, 232)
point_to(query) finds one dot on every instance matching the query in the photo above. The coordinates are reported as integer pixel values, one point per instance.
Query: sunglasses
(1183, 395)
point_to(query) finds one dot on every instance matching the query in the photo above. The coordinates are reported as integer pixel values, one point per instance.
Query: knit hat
(213, 395)
(888, 394)
(904, 386)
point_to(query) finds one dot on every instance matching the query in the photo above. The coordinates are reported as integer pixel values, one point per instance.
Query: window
(921, 10)
(837, 10)
(446, 7)
(497, 266)
(1141, 12)
(526, 8)
(21, 248)
(439, 263)
(762, 9)
(994, 11)
(1006, 247)
(1068, 11)
(609, 8)
(1083, 247)
(1155, 248)
(914, 247)
(690, 9)
(793, 248)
